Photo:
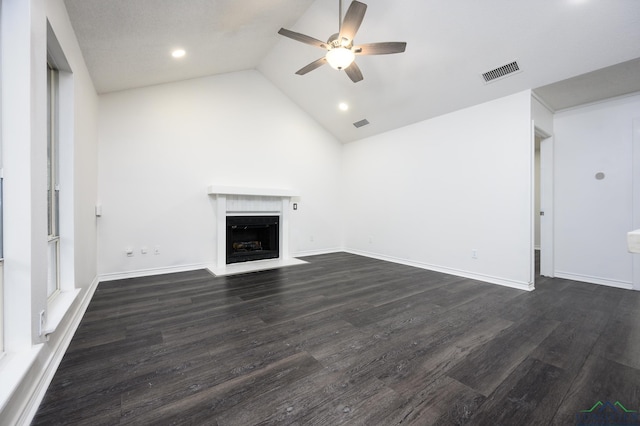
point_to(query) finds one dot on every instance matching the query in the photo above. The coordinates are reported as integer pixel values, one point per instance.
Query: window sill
(13, 368)
(57, 308)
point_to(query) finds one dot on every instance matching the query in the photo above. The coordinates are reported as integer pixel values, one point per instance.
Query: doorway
(543, 203)
(636, 196)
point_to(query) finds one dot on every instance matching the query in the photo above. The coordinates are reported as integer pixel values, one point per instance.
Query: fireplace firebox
(252, 238)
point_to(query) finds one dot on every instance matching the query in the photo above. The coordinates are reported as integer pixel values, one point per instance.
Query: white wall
(24, 120)
(31, 359)
(465, 179)
(161, 146)
(593, 216)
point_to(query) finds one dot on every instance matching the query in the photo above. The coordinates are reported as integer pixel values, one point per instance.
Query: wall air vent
(361, 123)
(501, 72)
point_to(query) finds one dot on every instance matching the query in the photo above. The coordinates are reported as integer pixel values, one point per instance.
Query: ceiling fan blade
(380, 48)
(354, 73)
(312, 66)
(352, 20)
(302, 38)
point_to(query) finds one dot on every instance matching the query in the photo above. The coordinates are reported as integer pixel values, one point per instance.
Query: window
(53, 188)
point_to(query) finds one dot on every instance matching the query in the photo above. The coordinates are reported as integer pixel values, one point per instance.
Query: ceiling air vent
(501, 72)
(361, 123)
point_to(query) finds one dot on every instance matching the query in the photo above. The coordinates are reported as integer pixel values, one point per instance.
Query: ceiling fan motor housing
(335, 41)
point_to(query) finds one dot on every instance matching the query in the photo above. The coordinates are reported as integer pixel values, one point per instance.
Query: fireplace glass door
(252, 238)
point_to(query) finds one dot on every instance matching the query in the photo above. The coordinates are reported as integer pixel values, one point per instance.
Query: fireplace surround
(241, 203)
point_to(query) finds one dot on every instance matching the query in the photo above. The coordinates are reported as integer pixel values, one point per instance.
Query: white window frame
(53, 188)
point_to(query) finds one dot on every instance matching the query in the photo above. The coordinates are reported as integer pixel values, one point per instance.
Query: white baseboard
(52, 353)
(627, 285)
(112, 276)
(149, 272)
(192, 267)
(460, 273)
(317, 252)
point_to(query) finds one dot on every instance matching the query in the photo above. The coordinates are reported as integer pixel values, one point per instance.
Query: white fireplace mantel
(232, 200)
(257, 192)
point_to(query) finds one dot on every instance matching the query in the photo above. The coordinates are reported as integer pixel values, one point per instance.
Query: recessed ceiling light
(178, 53)
(343, 106)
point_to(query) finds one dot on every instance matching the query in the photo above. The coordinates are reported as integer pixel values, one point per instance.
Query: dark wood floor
(346, 340)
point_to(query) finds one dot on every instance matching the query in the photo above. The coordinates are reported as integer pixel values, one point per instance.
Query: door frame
(545, 184)
(636, 196)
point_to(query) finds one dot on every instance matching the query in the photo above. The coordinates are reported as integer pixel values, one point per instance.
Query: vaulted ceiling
(570, 51)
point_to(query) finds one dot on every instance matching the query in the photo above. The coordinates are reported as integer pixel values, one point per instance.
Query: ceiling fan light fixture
(340, 57)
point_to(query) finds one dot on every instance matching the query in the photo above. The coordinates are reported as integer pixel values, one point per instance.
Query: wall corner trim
(460, 273)
(152, 271)
(594, 280)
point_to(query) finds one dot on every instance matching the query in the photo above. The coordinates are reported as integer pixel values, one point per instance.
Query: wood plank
(443, 401)
(203, 404)
(517, 401)
(488, 365)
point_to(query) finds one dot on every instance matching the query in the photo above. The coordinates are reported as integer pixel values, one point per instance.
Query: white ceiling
(127, 44)
(616, 80)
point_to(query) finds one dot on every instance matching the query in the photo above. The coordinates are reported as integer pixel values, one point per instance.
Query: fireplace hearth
(252, 238)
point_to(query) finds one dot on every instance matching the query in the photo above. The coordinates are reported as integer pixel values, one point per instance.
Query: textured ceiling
(616, 80)
(126, 44)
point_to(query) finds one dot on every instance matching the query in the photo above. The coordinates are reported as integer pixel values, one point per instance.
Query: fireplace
(252, 238)
(257, 220)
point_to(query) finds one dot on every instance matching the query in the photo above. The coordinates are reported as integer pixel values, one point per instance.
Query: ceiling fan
(341, 51)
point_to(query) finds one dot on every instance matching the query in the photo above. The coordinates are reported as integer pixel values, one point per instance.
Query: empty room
(324, 212)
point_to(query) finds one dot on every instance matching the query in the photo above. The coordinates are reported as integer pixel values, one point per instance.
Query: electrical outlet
(129, 251)
(143, 250)
(474, 253)
(156, 250)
